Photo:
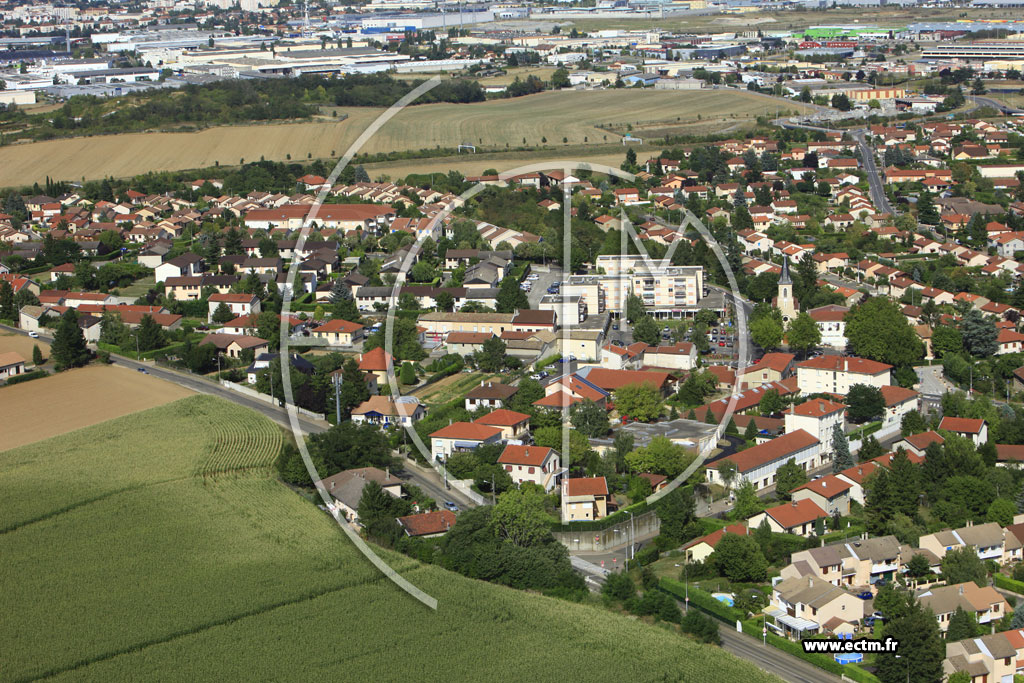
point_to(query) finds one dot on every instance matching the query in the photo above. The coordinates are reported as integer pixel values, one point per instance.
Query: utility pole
(337, 400)
(631, 536)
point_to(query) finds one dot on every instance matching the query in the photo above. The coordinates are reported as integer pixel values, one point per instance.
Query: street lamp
(632, 538)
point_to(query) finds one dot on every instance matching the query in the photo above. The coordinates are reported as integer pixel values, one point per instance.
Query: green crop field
(157, 546)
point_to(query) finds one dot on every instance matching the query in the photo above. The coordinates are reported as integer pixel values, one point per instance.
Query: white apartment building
(818, 418)
(836, 374)
(667, 291)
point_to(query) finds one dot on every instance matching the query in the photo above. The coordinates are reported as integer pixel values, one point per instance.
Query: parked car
(865, 595)
(536, 376)
(451, 506)
(615, 326)
(33, 334)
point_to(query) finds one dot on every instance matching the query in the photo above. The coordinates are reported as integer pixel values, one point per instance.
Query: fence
(613, 537)
(464, 486)
(252, 393)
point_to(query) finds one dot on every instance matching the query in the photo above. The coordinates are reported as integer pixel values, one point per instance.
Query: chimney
(961, 589)
(810, 582)
(387, 474)
(332, 485)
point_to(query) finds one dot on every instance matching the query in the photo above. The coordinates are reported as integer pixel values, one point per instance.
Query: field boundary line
(90, 501)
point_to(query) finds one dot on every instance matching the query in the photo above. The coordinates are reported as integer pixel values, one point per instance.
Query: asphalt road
(877, 189)
(429, 481)
(989, 102)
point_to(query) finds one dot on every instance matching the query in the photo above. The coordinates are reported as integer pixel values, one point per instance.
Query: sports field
(568, 115)
(77, 398)
(126, 560)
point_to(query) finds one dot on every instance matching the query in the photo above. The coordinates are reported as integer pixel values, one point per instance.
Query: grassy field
(77, 398)
(123, 562)
(453, 386)
(570, 115)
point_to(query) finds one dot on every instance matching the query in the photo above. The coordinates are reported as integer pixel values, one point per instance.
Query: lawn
(126, 558)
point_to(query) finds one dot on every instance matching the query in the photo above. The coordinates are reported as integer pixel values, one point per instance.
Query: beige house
(438, 324)
(238, 304)
(584, 498)
(796, 517)
(346, 489)
(991, 658)
(856, 562)
(898, 402)
(986, 604)
(830, 493)
(461, 436)
(989, 540)
(513, 425)
(11, 364)
(773, 367)
(699, 549)
(805, 605)
(679, 356)
(338, 332)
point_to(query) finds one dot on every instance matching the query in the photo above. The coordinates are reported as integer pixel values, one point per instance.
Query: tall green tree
(590, 419)
(641, 401)
(878, 330)
(8, 311)
(803, 334)
(979, 334)
(962, 565)
(864, 402)
(788, 477)
(921, 648)
(68, 349)
(766, 333)
(149, 334)
(510, 296)
(519, 517)
(841, 458)
(677, 511)
(739, 558)
(646, 330)
(222, 314)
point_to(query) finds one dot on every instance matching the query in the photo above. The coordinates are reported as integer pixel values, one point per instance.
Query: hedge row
(1008, 584)
(26, 377)
(702, 600)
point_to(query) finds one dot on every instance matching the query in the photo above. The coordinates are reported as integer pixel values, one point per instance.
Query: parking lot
(539, 287)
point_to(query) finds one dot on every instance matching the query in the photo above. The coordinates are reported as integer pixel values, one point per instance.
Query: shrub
(704, 628)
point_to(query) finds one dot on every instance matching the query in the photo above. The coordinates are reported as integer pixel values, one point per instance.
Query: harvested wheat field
(23, 345)
(566, 117)
(78, 398)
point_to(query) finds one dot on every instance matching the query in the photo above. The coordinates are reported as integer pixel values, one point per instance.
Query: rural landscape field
(550, 116)
(162, 547)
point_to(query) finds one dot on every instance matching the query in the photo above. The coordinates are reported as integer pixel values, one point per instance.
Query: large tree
(8, 311)
(962, 565)
(519, 517)
(640, 401)
(677, 511)
(864, 402)
(660, 456)
(511, 297)
(803, 334)
(921, 648)
(646, 330)
(878, 330)
(766, 332)
(979, 334)
(788, 477)
(590, 419)
(68, 349)
(739, 558)
(149, 334)
(841, 458)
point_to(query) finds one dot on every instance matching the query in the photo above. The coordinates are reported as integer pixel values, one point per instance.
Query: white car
(33, 334)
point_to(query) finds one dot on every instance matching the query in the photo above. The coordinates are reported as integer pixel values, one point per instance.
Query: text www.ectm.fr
(865, 645)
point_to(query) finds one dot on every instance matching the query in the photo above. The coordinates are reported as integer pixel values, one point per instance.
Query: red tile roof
(1009, 452)
(962, 425)
(780, 447)
(534, 456)
(859, 473)
(896, 395)
(466, 430)
(428, 523)
(502, 418)
(817, 407)
(375, 360)
(712, 539)
(610, 380)
(924, 439)
(796, 513)
(339, 325)
(827, 487)
(587, 486)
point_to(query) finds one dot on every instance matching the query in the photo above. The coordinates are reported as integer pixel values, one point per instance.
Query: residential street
(875, 185)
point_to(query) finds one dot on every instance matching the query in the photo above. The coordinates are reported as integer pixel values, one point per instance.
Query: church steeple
(785, 278)
(784, 301)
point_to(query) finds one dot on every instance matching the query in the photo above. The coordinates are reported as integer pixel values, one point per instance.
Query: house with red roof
(836, 374)
(856, 477)
(974, 429)
(699, 549)
(491, 395)
(377, 361)
(759, 464)
(679, 356)
(830, 493)
(338, 332)
(513, 425)
(568, 391)
(584, 498)
(772, 367)
(535, 464)
(831, 322)
(238, 304)
(427, 524)
(616, 357)
(611, 380)
(898, 402)
(461, 436)
(795, 517)
(1010, 342)
(918, 443)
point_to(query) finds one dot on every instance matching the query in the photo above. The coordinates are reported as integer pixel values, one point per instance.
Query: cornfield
(146, 564)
